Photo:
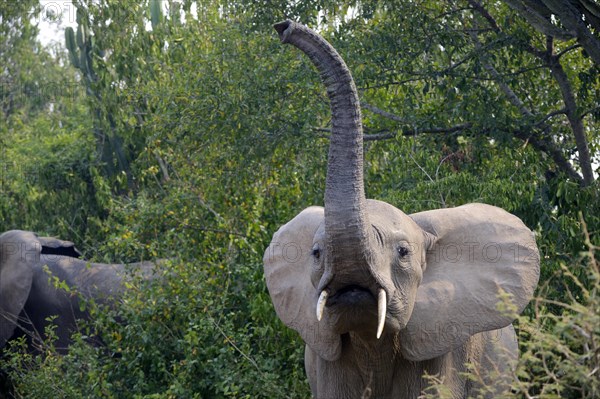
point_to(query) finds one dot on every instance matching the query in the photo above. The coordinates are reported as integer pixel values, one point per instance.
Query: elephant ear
(54, 246)
(19, 251)
(479, 275)
(288, 263)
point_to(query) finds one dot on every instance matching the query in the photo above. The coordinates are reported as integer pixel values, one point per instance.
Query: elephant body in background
(383, 299)
(32, 269)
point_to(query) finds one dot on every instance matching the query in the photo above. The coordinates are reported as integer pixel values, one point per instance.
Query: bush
(560, 350)
(194, 332)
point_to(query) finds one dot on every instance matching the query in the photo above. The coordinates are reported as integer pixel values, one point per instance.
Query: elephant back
(89, 279)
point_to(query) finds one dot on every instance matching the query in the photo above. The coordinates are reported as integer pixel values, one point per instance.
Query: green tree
(47, 174)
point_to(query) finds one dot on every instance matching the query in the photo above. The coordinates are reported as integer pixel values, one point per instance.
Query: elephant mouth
(350, 298)
(352, 295)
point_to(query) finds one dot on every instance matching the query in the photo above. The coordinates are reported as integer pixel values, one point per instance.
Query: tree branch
(570, 110)
(438, 130)
(539, 21)
(383, 113)
(485, 14)
(415, 132)
(590, 111)
(568, 49)
(552, 114)
(380, 136)
(591, 10)
(388, 134)
(575, 120)
(163, 167)
(540, 143)
(572, 19)
(544, 145)
(508, 92)
(547, 146)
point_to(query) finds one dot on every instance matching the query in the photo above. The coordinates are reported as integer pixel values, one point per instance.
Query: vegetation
(185, 130)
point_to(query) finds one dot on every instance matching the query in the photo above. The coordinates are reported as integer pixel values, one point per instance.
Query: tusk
(321, 304)
(381, 311)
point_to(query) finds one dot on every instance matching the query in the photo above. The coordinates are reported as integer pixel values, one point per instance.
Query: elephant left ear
(481, 272)
(288, 264)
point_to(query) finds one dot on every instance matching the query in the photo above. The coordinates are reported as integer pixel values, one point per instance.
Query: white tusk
(381, 311)
(321, 304)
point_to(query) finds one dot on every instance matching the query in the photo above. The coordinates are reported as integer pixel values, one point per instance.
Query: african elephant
(28, 296)
(380, 297)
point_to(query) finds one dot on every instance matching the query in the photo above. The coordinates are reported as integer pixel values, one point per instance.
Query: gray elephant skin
(29, 267)
(382, 298)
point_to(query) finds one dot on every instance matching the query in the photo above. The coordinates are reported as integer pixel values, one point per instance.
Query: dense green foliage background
(185, 130)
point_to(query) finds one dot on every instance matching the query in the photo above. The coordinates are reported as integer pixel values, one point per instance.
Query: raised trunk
(345, 203)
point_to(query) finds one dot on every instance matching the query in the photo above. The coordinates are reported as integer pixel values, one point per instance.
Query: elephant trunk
(345, 204)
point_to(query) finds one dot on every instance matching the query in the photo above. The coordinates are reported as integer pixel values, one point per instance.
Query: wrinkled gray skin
(28, 296)
(381, 297)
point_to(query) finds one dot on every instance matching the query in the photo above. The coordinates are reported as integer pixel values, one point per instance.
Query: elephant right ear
(19, 251)
(481, 272)
(288, 262)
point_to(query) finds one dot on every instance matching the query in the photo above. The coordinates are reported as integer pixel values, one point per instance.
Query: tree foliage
(47, 168)
(190, 133)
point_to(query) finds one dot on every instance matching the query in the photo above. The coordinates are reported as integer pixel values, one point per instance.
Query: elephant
(383, 299)
(29, 268)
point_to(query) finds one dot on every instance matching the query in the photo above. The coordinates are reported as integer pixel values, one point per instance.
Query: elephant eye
(316, 251)
(403, 251)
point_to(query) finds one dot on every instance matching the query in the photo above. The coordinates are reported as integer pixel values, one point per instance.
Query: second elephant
(29, 268)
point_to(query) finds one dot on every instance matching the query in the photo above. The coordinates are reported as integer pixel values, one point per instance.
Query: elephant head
(431, 280)
(28, 296)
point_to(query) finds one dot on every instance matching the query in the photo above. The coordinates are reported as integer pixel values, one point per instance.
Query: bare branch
(508, 92)
(544, 145)
(395, 83)
(568, 49)
(383, 113)
(485, 14)
(552, 114)
(589, 111)
(380, 136)
(438, 130)
(388, 134)
(163, 167)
